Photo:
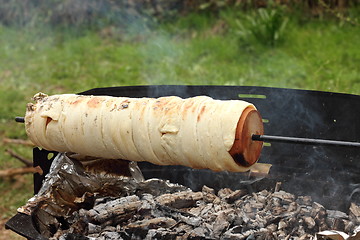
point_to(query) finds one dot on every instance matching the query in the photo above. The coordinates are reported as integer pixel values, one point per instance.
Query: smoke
(161, 60)
(327, 173)
(355, 194)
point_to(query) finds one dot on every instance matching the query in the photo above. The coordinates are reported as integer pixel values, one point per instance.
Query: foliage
(214, 4)
(84, 14)
(340, 14)
(265, 25)
(98, 14)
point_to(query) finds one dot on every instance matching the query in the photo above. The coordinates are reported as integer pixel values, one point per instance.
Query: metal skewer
(310, 141)
(20, 119)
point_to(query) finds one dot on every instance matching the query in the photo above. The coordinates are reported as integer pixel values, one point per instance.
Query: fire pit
(327, 174)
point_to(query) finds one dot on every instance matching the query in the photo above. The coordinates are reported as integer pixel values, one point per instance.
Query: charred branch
(18, 171)
(13, 154)
(18, 141)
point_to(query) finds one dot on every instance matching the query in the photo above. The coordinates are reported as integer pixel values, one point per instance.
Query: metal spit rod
(309, 141)
(282, 139)
(20, 119)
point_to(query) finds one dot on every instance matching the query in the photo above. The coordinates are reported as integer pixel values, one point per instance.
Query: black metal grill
(329, 174)
(325, 172)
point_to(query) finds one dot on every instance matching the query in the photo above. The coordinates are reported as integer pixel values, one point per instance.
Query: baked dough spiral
(197, 132)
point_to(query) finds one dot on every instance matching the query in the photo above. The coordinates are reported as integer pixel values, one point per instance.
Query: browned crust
(245, 151)
(94, 102)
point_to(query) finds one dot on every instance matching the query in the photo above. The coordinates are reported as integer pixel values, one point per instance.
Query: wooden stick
(28, 163)
(18, 141)
(16, 171)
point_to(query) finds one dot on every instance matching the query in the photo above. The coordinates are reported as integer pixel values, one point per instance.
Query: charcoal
(304, 200)
(309, 222)
(262, 198)
(199, 232)
(272, 227)
(157, 209)
(221, 223)
(206, 210)
(158, 234)
(71, 236)
(355, 213)
(206, 189)
(305, 210)
(220, 206)
(217, 201)
(285, 197)
(196, 210)
(293, 207)
(142, 226)
(282, 225)
(191, 221)
(281, 235)
(209, 194)
(182, 228)
(110, 236)
(349, 226)
(336, 214)
(109, 229)
(247, 208)
(180, 199)
(224, 192)
(278, 210)
(306, 236)
(276, 202)
(114, 211)
(148, 204)
(92, 228)
(336, 224)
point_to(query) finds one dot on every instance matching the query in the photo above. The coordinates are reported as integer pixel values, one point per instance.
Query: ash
(226, 214)
(157, 209)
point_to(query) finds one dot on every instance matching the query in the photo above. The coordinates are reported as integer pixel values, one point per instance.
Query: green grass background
(316, 54)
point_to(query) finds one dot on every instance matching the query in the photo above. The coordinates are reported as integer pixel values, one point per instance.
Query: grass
(317, 55)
